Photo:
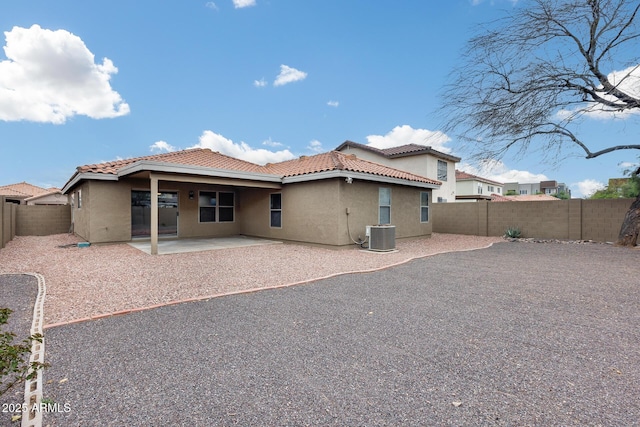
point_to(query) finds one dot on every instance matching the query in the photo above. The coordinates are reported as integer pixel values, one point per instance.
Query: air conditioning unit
(382, 238)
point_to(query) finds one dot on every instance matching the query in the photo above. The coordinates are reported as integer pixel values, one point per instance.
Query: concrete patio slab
(175, 246)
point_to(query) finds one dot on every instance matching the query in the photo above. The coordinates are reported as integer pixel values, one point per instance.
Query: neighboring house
(471, 188)
(328, 198)
(24, 193)
(418, 159)
(542, 187)
(523, 198)
(554, 187)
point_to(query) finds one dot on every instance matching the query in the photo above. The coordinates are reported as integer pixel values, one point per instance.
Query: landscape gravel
(104, 279)
(519, 334)
(18, 293)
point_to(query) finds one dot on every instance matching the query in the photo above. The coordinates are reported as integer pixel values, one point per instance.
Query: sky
(262, 80)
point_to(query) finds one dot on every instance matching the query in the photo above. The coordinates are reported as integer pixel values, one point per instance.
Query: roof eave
(430, 151)
(152, 166)
(357, 175)
(87, 176)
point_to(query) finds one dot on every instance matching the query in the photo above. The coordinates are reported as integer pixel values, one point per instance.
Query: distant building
(523, 198)
(23, 193)
(542, 187)
(471, 188)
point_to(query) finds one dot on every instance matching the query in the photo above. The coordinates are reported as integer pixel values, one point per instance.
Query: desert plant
(513, 232)
(14, 358)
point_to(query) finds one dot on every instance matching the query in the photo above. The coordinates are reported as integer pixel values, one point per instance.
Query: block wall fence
(7, 222)
(32, 220)
(575, 219)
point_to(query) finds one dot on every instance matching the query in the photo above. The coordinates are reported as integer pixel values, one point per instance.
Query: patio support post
(154, 214)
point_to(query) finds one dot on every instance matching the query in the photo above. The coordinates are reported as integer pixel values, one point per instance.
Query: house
(542, 187)
(523, 198)
(471, 188)
(327, 198)
(23, 193)
(418, 159)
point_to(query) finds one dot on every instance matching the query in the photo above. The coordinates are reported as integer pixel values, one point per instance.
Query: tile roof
(22, 189)
(336, 160)
(464, 176)
(400, 151)
(47, 192)
(523, 198)
(203, 157)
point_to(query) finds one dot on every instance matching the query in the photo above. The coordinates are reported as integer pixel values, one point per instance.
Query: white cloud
(289, 75)
(239, 4)
(333, 103)
(241, 150)
(260, 83)
(627, 165)
(211, 5)
(496, 170)
(628, 81)
(315, 146)
(161, 146)
(585, 188)
(270, 143)
(401, 135)
(50, 76)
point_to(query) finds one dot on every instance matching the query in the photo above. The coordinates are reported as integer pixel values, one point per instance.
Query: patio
(176, 246)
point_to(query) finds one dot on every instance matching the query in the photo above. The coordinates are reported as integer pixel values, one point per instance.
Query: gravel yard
(103, 279)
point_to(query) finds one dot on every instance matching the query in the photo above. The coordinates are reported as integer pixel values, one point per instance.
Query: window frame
(215, 207)
(222, 206)
(424, 207)
(381, 206)
(272, 210)
(442, 174)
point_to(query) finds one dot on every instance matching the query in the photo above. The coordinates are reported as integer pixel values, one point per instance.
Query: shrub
(14, 358)
(513, 232)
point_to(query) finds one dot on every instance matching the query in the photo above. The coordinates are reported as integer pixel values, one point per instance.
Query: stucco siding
(309, 212)
(80, 215)
(109, 204)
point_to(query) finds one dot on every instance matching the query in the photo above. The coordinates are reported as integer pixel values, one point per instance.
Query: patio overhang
(242, 180)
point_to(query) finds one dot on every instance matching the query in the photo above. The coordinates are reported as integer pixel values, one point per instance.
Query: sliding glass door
(141, 213)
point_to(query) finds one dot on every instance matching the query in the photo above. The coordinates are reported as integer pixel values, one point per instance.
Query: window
(490, 188)
(442, 170)
(424, 206)
(207, 201)
(498, 190)
(216, 206)
(523, 192)
(225, 210)
(275, 210)
(479, 188)
(384, 205)
(79, 199)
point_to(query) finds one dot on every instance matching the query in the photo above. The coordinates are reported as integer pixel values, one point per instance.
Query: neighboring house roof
(203, 160)
(464, 176)
(22, 190)
(522, 198)
(337, 161)
(48, 192)
(400, 151)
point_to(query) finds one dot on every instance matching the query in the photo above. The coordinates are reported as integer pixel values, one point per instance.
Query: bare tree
(530, 79)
